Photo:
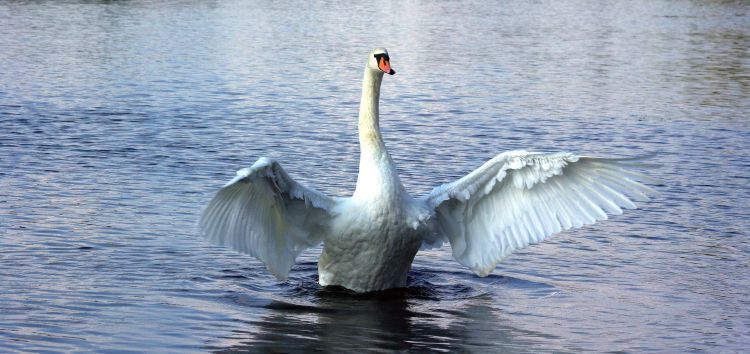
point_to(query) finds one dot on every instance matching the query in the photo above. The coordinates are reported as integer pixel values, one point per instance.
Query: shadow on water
(423, 317)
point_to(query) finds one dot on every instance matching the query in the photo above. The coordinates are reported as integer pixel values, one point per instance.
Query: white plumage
(265, 213)
(370, 239)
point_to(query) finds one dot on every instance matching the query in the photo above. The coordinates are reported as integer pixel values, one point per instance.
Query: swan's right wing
(519, 198)
(265, 213)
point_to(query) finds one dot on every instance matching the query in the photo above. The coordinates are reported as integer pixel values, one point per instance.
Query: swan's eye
(381, 55)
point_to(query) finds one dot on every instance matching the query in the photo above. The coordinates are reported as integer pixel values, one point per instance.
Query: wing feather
(265, 213)
(520, 198)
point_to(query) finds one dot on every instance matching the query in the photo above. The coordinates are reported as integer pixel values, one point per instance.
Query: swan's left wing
(265, 213)
(519, 198)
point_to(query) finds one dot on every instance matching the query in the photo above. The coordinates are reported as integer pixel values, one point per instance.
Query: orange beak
(385, 66)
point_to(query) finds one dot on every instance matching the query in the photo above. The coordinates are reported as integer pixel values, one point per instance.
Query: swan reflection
(411, 319)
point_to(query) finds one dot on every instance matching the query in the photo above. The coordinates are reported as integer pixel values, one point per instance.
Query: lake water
(119, 119)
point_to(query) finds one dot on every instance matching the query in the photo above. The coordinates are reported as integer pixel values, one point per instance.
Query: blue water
(118, 120)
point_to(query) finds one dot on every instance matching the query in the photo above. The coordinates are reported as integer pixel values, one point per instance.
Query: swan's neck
(377, 175)
(370, 139)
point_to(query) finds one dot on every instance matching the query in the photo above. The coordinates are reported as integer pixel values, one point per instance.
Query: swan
(370, 239)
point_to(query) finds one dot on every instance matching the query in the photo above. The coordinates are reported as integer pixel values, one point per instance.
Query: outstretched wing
(265, 213)
(519, 198)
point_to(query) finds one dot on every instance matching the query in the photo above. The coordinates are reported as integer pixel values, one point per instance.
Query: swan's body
(371, 238)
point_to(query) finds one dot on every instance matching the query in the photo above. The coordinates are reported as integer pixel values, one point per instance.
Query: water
(118, 120)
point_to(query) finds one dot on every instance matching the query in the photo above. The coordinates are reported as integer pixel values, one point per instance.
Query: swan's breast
(370, 247)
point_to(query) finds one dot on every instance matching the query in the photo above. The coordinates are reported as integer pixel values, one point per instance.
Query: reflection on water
(119, 119)
(422, 317)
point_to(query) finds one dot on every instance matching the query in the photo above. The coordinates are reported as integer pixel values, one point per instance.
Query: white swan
(370, 239)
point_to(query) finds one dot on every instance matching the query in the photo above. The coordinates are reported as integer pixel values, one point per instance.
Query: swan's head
(379, 60)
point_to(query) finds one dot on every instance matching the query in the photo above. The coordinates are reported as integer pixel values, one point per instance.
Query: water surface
(118, 120)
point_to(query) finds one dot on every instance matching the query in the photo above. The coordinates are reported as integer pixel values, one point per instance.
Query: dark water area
(120, 119)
